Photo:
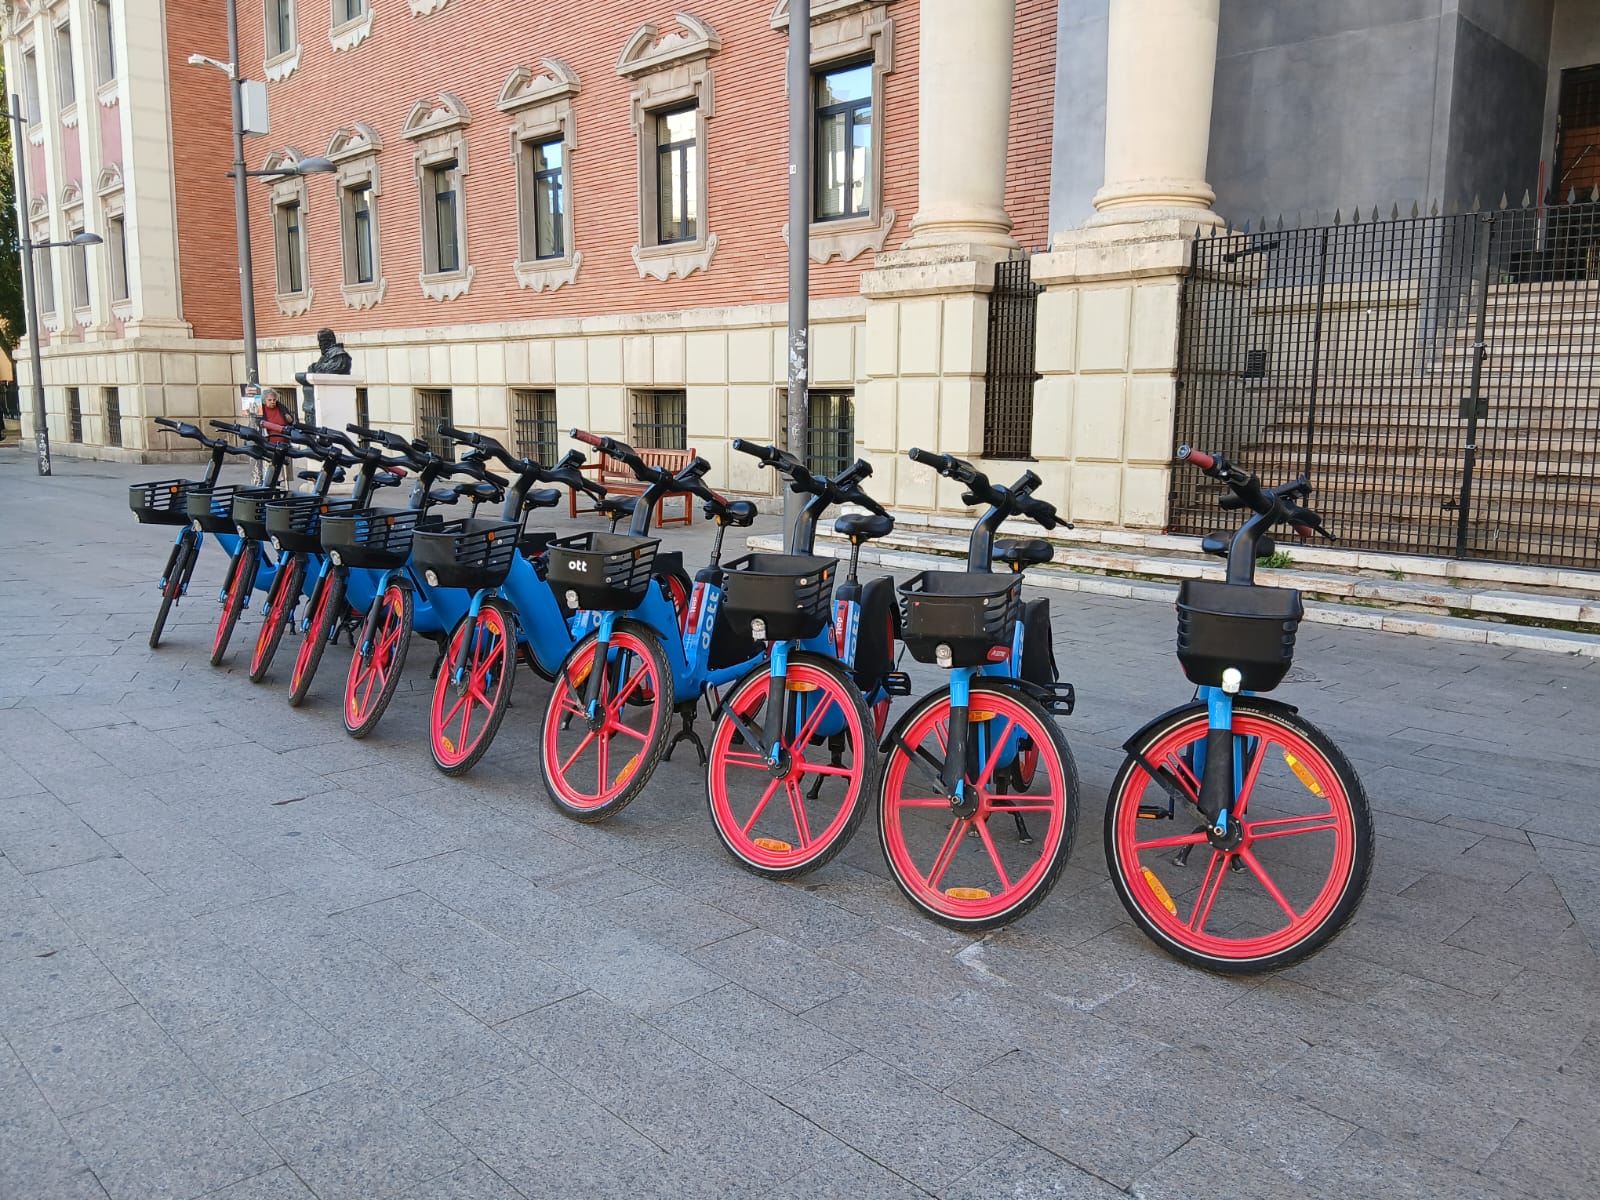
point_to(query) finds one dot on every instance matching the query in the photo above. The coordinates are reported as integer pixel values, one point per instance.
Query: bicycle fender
(1131, 746)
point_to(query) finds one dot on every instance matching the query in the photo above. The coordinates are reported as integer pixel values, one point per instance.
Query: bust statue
(334, 359)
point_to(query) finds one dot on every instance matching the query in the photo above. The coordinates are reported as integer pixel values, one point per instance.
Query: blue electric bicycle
(979, 797)
(794, 751)
(1277, 813)
(606, 722)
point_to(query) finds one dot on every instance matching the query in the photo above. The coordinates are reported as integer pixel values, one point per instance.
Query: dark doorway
(1577, 133)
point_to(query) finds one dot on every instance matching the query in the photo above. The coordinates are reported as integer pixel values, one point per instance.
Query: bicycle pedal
(1152, 812)
(1059, 699)
(897, 683)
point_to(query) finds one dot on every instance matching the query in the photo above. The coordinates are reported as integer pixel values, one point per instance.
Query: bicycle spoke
(603, 762)
(761, 806)
(1311, 823)
(922, 802)
(582, 746)
(996, 747)
(798, 808)
(633, 684)
(809, 768)
(629, 731)
(1187, 839)
(738, 758)
(809, 730)
(994, 855)
(1252, 773)
(1023, 804)
(1216, 871)
(1272, 888)
(947, 852)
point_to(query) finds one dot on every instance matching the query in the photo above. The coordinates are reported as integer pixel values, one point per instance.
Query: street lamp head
(86, 239)
(205, 60)
(314, 166)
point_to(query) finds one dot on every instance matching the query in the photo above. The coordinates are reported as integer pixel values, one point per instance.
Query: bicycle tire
(391, 639)
(277, 613)
(634, 641)
(974, 904)
(327, 608)
(178, 570)
(493, 662)
(241, 582)
(1155, 909)
(755, 843)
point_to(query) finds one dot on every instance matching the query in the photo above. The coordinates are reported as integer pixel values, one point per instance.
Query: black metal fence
(1434, 376)
(1009, 377)
(830, 432)
(434, 405)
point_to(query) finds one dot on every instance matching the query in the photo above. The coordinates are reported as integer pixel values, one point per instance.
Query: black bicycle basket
(164, 502)
(470, 553)
(212, 508)
(1222, 625)
(969, 613)
(604, 572)
(791, 594)
(250, 509)
(294, 525)
(377, 539)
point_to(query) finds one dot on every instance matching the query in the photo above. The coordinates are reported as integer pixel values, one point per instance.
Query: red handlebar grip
(588, 439)
(1199, 458)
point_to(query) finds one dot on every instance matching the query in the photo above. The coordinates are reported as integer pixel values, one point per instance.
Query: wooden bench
(617, 478)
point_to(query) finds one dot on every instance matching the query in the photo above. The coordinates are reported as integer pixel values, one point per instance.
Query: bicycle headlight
(758, 629)
(338, 559)
(943, 656)
(275, 544)
(433, 580)
(195, 525)
(572, 599)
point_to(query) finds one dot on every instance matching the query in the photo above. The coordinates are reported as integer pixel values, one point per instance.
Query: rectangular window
(660, 420)
(30, 86)
(359, 264)
(44, 276)
(113, 400)
(534, 430)
(362, 418)
(78, 264)
(1009, 373)
(443, 213)
(280, 27)
(105, 47)
(830, 432)
(843, 142)
(433, 406)
(348, 10)
(291, 263)
(74, 416)
(66, 82)
(544, 200)
(677, 176)
(117, 239)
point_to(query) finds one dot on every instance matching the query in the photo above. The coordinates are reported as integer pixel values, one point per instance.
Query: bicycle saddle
(543, 498)
(482, 492)
(443, 496)
(621, 506)
(1217, 544)
(741, 514)
(863, 527)
(1023, 552)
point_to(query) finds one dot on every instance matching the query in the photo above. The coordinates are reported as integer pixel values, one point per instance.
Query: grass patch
(1278, 558)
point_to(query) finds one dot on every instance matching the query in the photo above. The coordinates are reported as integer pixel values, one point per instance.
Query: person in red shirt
(273, 416)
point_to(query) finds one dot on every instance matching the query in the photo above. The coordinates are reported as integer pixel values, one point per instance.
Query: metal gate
(1434, 377)
(1009, 376)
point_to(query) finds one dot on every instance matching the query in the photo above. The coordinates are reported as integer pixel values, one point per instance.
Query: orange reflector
(1161, 893)
(1303, 774)
(977, 715)
(961, 893)
(795, 685)
(355, 709)
(627, 771)
(773, 844)
(449, 746)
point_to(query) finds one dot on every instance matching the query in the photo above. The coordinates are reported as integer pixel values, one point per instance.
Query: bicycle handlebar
(1017, 499)
(844, 488)
(1277, 504)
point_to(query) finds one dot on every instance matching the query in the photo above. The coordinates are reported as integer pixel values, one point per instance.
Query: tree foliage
(13, 322)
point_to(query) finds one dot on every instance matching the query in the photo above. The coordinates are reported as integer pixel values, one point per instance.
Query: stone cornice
(430, 117)
(649, 50)
(524, 88)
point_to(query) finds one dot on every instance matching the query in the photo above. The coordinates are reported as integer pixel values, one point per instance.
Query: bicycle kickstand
(686, 714)
(835, 759)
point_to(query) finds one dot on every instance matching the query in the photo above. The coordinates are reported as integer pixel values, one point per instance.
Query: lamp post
(19, 140)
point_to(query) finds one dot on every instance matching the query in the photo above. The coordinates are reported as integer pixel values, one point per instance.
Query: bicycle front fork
(1224, 762)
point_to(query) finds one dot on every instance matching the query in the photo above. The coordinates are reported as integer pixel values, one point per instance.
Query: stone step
(1364, 613)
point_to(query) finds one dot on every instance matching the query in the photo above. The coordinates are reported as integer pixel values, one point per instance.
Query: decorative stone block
(706, 358)
(750, 356)
(1096, 492)
(574, 410)
(1155, 327)
(491, 363)
(667, 352)
(832, 355)
(964, 347)
(881, 351)
(1144, 497)
(1103, 329)
(1052, 416)
(493, 410)
(752, 413)
(917, 415)
(517, 362)
(1148, 437)
(960, 418)
(919, 337)
(638, 361)
(608, 410)
(875, 415)
(1097, 417)
(572, 360)
(1057, 331)
(605, 360)
(707, 414)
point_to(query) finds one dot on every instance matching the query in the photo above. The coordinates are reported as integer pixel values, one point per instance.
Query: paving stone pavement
(243, 956)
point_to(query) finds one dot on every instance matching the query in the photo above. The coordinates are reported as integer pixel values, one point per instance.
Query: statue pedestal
(336, 399)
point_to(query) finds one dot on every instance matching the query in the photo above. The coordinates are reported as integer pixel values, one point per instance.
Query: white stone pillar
(963, 123)
(1160, 66)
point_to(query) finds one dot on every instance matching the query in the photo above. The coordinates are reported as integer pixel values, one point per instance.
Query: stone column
(1160, 67)
(963, 123)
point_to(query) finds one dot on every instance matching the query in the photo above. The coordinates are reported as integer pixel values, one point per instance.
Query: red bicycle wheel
(782, 820)
(465, 716)
(373, 677)
(241, 582)
(964, 868)
(282, 597)
(1295, 874)
(327, 607)
(594, 769)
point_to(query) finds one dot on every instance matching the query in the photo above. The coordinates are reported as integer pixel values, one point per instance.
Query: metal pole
(1480, 351)
(241, 205)
(19, 143)
(799, 78)
(1316, 350)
